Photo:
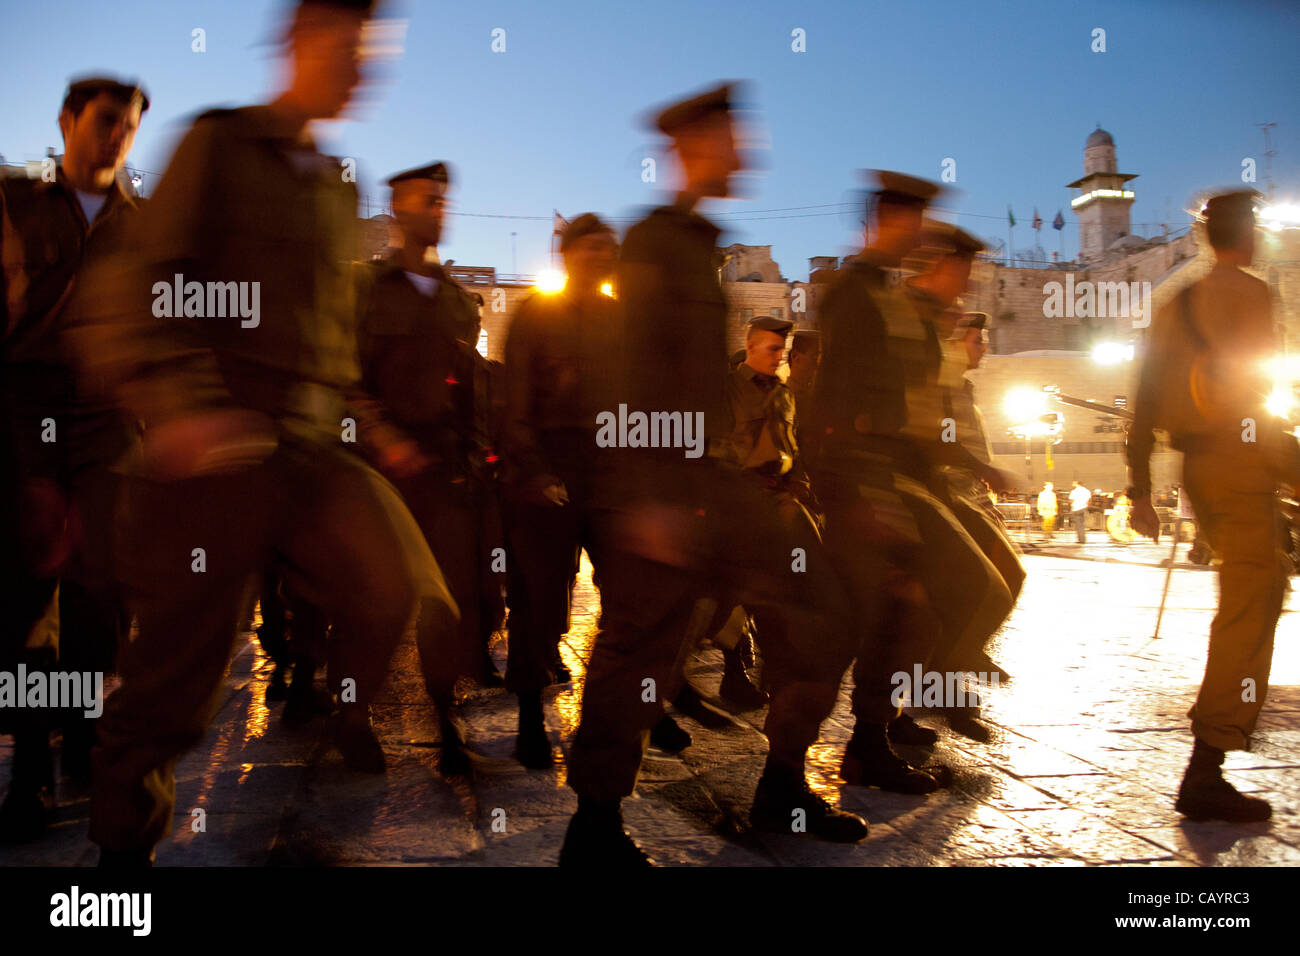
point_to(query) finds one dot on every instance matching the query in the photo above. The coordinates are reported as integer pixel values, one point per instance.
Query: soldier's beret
(435, 171)
(903, 189)
(946, 239)
(1233, 204)
(672, 119)
(809, 338)
(972, 320)
(583, 225)
(770, 323)
(360, 6)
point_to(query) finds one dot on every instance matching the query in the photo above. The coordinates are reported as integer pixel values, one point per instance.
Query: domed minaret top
(1104, 198)
(1099, 152)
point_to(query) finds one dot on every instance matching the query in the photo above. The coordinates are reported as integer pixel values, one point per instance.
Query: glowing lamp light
(1024, 404)
(607, 288)
(1280, 402)
(1112, 353)
(1280, 216)
(551, 281)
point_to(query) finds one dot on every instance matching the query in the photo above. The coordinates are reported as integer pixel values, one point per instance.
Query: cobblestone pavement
(1089, 742)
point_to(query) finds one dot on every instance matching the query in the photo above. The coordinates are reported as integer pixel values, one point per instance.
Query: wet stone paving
(1089, 741)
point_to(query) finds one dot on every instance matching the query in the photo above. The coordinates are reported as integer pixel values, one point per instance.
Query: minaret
(1103, 203)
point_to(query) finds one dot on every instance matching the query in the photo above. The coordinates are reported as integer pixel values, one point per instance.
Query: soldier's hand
(546, 491)
(556, 494)
(402, 459)
(1144, 519)
(214, 442)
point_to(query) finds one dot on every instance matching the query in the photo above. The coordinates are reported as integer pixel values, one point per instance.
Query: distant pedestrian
(1047, 508)
(1080, 498)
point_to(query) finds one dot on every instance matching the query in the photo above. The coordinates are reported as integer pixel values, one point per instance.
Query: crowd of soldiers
(349, 458)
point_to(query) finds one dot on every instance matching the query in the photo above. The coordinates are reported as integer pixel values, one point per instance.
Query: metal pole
(1178, 524)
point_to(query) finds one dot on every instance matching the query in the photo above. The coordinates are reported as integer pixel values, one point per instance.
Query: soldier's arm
(520, 443)
(375, 427)
(158, 367)
(1141, 434)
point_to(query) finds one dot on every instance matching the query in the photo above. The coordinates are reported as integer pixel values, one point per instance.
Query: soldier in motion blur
(687, 526)
(417, 406)
(561, 356)
(59, 443)
(1203, 380)
(244, 464)
(881, 434)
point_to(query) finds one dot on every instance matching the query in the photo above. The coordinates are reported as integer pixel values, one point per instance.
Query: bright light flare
(551, 281)
(607, 288)
(1280, 402)
(1280, 216)
(1111, 353)
(1025, 405)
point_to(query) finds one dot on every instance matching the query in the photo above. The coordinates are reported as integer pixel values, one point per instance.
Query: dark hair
(80, 92)
(584, 225)
(1228, 230)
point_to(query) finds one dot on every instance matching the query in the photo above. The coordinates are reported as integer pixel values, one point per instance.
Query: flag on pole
(1059, 222)
(1011, 216)
(559, 225)
(1038, 220)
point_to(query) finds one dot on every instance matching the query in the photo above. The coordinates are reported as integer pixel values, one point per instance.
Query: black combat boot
(125, 859)
(596, 839)
(532, 746)
(962, 721)
(29, 804)
(737, 689)
(356, 740)
(784, 803)
(689, 702)
(904, 730)
(491, 676)
(869, 761)
(668, 736)
(1205, 795)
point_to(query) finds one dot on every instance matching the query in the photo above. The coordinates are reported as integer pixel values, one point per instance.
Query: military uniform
(243, 200)
(561, 359)
(58, 495)
(1231, 484)
(422, 381)
(727, 539)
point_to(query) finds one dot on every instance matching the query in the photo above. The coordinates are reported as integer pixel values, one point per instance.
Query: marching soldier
(560, 358)
(416, 406)
(880, 431)
(983, 580)
(805, 359)
(1203, 381)
(244, 459)
(59, 442)
(688, 523)
(762, 442)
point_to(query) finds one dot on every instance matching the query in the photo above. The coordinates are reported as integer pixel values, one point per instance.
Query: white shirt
(91, 203)
(1079, 498)
(426, 285)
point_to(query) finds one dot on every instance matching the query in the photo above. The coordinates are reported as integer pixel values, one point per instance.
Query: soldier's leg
(90, 603)
(966, 590)
(544, 544)
(449, 523)
(351, 547)
(1241, 525)
(993, 540)
(186, 550)
(875, 542)
(1236, 509)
